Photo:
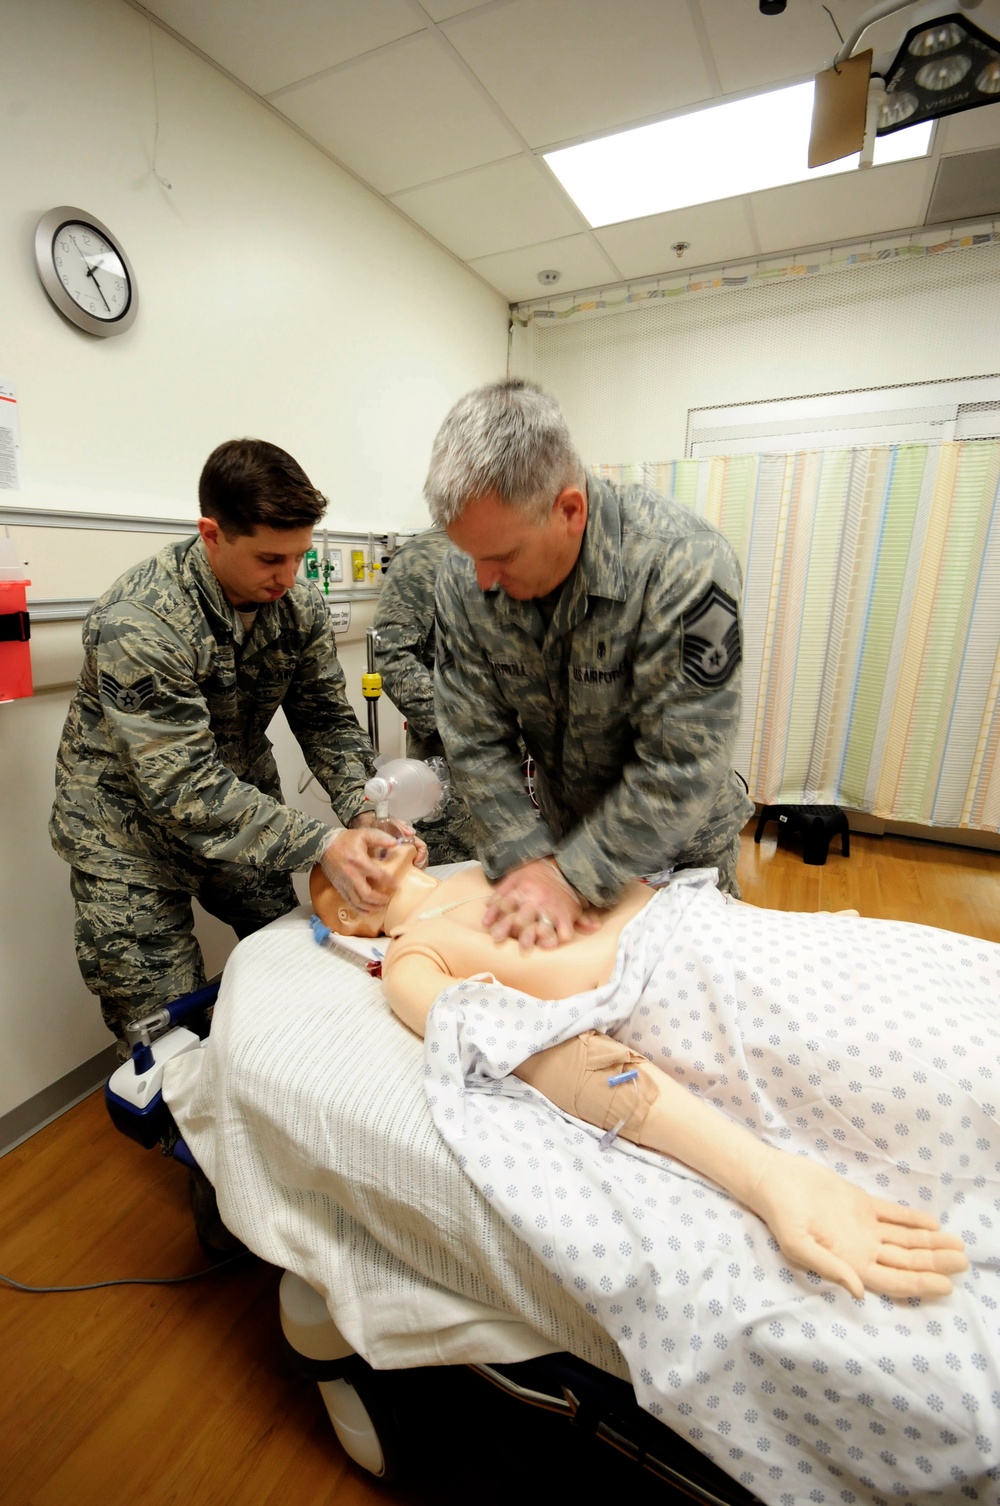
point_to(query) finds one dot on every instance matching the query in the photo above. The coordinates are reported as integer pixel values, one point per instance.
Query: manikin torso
(456, 939)
(437, 936)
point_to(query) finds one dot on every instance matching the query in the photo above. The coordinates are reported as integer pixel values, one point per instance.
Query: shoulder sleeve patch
(710, 639)
(126, 697)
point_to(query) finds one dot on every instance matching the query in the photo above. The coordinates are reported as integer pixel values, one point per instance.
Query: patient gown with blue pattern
(872, 1046)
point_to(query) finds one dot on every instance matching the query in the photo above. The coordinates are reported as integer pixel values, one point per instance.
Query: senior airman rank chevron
(710, 638)
(126, 697)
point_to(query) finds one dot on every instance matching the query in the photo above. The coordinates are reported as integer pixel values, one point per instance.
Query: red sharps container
(15, 628)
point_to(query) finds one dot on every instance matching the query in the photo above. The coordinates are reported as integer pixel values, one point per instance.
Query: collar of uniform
(600, 571)
(198, 569)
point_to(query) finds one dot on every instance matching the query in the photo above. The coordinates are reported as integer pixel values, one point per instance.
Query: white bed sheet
(306, 1110)
(871, 1046)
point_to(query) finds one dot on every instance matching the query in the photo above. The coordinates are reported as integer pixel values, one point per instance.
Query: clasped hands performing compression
(533, 904)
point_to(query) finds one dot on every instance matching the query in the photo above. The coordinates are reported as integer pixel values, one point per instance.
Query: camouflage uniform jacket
(404, 620)
(164, 760)
(628, 701)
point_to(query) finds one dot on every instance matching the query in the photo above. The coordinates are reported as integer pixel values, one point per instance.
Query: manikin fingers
(888, 1282)
(898, 1213)
(946, 1261)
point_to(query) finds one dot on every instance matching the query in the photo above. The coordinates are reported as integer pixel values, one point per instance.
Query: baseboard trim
(35, 1113)
(945, 836)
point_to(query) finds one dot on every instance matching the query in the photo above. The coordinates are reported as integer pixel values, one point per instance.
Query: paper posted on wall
(10, 439)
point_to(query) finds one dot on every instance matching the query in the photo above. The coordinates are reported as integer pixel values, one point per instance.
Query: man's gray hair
(509, 439)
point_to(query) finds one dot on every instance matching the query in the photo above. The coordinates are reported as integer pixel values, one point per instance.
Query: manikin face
(254, 568)
(412, 887)
(525, 559)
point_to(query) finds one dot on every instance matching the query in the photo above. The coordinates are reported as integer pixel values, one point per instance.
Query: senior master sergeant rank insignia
(710, 638)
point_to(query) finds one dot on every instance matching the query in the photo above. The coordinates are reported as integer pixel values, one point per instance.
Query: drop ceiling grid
(444, 107)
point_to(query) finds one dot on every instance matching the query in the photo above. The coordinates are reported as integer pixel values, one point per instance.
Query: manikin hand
(538, 905)
(826, 1225)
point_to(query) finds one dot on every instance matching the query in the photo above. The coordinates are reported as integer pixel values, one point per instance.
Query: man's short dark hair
(248, 482)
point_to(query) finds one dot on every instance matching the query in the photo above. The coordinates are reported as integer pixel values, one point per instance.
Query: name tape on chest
(710, 639)
(127, 697)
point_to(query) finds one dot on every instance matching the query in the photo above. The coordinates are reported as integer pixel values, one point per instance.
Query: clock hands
(92, 274)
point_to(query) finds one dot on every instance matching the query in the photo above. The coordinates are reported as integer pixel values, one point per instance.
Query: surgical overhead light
(941, 68)
(943, 65)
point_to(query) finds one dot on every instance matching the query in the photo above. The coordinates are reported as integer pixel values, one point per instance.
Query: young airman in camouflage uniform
(404, 620)
(166, 787)
(601, 624)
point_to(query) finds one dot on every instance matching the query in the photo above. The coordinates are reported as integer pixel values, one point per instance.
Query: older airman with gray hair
(600, 624)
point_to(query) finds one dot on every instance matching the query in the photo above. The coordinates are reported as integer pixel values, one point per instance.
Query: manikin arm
(820, 1220)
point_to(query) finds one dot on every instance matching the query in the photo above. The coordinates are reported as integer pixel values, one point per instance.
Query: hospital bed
(503, 1235)
(304, 1114)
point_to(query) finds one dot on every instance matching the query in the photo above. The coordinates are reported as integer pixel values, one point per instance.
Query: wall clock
(85, 271)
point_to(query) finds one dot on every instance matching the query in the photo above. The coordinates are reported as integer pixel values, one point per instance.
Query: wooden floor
(162, 1395)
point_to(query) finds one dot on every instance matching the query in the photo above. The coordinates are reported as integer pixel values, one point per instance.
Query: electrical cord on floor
(92, 1286)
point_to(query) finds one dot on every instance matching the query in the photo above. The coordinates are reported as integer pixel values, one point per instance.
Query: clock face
(91, 271)
(85, 272)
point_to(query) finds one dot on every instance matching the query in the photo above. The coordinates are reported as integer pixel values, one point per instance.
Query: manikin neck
(415, 889)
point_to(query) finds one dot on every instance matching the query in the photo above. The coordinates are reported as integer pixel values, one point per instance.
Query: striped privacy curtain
(871, 623)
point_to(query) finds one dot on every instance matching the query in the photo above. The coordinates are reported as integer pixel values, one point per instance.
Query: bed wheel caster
(363, 1420)
(360, 1401)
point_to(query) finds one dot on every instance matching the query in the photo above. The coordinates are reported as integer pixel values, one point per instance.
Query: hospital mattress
(306, 1109)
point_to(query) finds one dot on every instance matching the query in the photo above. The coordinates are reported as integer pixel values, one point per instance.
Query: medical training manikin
(822, 1222)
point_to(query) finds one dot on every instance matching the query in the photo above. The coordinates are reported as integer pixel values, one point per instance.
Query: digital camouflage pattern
(136, 947)
(628, 701)
(404, 620)
(165, 779)
(164, 757)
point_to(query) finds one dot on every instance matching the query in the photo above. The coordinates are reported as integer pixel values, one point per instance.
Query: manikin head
(412, 887)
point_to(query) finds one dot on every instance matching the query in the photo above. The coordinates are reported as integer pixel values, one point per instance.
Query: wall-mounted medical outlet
(358, 564)
(333, 567)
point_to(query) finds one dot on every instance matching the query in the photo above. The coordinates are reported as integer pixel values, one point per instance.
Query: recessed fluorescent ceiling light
(716, 153)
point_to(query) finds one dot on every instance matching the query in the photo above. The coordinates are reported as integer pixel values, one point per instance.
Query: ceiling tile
(443, 10)
(493, 209)
(848, 206)
(273, 42)
(561, 69)
(515, 273)
(752, 50)
(716, 233)
(970, 131)
(402, 116)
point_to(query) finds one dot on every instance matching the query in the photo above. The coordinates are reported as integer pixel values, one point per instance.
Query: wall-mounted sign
(10, 439)
(340, 616)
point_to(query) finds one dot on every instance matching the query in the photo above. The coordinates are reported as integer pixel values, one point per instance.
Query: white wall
(627, 380)
(278, 298)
